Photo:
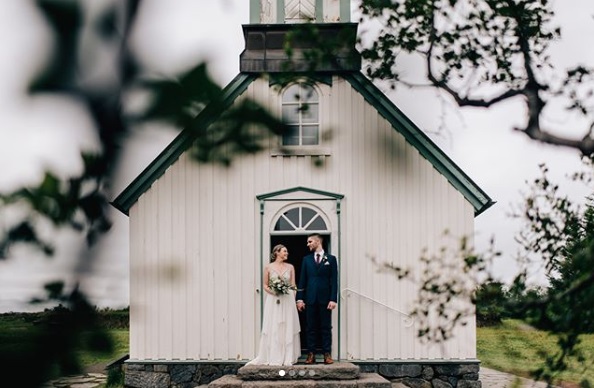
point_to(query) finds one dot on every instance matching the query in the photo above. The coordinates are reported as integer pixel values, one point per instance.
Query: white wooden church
(200, 234)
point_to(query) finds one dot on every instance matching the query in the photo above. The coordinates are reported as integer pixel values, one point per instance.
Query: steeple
(299, 11)
(271, 21)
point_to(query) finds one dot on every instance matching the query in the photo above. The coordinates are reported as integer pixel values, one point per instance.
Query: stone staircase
(337, 375)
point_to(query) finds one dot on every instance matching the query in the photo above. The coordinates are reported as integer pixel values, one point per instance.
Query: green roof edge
(181, 143)
(413, 134)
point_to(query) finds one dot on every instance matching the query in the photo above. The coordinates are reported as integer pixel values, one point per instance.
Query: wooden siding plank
(330, 182)
(265, 182)
(387, 238)
(400, 248)
(148, 262)
(165, 267)
(251, 265)
(248, 263)
(412, 253)
(355, 227)
(375, 216)
(361, 140)
(143, 297)
(421, 225)
(221, 260)
(351, 229)
(391, 237)
(206, 263)
(234, 257)
(191, 245)
(152, 244)
(342, 136)
(137, 312)
(179, 265)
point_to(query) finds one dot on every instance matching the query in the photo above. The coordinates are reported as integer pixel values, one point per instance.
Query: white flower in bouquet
(280, 286)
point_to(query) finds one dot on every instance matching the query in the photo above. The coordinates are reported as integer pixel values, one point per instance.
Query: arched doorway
(287, 217)
(291, 229)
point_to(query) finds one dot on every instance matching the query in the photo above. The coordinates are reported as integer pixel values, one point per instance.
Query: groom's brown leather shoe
(311, 359)
(328, 359)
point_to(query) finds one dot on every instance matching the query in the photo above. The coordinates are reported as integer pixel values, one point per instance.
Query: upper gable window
(301, 111)
(300, 11)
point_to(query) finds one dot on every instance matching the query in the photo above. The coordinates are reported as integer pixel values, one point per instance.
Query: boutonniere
(325, 260)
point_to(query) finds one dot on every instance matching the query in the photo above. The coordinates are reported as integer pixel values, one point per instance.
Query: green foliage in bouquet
(280, 286)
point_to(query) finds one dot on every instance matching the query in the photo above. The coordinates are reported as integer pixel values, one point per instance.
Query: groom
(317, 295)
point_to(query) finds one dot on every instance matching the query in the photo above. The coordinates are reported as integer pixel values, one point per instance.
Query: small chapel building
(354, 168)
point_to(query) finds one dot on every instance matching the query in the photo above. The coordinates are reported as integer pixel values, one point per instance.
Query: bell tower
(311, 24)
(299, 11)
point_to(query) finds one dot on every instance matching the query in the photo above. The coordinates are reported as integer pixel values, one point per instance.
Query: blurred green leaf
(65, 18)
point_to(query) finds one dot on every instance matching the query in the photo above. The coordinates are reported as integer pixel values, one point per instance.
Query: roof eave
(181, 143)
(413, 134)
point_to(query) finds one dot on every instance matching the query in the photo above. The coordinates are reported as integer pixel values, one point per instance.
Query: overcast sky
(45, 132)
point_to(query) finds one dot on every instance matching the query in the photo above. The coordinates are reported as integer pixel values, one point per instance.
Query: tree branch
(534, 103)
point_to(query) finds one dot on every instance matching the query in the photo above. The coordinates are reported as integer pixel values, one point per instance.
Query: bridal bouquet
(280, 286)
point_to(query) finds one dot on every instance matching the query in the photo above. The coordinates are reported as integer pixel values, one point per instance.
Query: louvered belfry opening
(266, 48)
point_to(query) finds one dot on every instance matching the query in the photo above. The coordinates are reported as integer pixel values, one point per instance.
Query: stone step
(336, 371)
(365, 380)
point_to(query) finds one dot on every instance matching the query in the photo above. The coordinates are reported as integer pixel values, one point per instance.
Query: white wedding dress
(279, 340)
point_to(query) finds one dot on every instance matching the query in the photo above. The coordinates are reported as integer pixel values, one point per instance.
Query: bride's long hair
(275, 250)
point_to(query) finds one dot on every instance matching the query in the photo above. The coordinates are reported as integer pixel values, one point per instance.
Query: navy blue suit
(318, 285)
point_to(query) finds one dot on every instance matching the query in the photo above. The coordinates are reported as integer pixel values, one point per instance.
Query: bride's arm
(266, 280)
(293, 277)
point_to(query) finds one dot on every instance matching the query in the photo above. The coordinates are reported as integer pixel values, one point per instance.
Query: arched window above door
(300, 218)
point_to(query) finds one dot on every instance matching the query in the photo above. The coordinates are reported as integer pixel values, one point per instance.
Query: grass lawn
(512, 347)
(120, 340)
(27, 345)
(517, 348)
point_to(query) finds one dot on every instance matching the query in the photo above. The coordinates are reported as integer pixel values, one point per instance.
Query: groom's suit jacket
(318, 282)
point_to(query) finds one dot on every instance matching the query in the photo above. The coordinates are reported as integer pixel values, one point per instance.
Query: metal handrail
(407, 319)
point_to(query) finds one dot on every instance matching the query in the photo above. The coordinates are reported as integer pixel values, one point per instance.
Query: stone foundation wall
(175, 374)
(427, 374)
(183, 374)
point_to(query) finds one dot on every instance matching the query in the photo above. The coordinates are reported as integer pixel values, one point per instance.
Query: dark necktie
(317, 258)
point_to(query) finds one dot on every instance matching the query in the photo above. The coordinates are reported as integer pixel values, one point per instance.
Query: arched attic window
(300, 219)
(301, 111)
(300, 11)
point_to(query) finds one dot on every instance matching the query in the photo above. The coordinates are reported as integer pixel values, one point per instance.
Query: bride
(279, 340)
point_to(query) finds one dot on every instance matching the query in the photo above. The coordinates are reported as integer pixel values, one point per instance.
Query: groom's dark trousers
(318, 285)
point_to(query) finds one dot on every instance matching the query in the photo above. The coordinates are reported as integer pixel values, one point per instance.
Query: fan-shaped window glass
(301, 111)
(317, 224)
(300, 219)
